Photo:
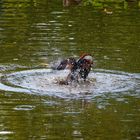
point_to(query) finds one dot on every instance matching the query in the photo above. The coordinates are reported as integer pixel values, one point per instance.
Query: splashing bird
(79, 69)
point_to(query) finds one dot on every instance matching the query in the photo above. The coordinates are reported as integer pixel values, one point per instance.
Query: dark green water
(34, 33)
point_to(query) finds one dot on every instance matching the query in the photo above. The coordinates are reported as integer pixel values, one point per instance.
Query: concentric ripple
(45, 82)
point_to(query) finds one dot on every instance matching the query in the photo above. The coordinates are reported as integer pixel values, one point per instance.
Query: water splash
(44, 82)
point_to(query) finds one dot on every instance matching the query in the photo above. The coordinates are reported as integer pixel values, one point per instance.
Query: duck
(78, 68)
(71, 2)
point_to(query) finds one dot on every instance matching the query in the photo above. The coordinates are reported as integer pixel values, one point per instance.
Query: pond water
(33, 35)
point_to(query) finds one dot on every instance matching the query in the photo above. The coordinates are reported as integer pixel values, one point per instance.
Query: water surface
(33, 34)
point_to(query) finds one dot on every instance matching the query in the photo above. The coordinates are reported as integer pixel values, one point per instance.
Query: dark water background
(34, 33)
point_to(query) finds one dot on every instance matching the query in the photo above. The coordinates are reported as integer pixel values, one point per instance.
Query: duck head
(85, 61)
(84, 64)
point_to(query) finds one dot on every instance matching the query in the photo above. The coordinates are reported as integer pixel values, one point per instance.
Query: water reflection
(73, 118)
(42, 29)
(33, 32)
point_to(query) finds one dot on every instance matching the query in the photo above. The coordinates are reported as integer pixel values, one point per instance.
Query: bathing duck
(79, 69)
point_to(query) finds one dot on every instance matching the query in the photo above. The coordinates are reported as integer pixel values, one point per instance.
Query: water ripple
(24, 107)
(45, 82)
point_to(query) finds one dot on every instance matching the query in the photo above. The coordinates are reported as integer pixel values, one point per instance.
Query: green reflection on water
(34, 32)
(116, 118)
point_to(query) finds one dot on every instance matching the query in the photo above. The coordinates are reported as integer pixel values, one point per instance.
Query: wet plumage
(79, 69)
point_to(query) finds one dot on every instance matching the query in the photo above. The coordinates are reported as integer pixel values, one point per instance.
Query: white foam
(44, 82)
